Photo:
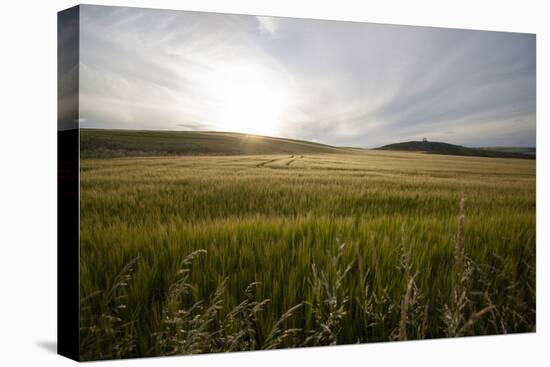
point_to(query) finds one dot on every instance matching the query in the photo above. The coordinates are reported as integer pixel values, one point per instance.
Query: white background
(28, 129)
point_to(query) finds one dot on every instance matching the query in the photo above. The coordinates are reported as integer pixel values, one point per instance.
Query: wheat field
(198, 254)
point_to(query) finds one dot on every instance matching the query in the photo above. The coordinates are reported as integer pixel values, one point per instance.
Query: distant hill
(522, 150)
(433, 147)
(97, 143)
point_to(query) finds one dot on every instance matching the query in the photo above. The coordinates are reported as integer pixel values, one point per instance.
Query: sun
(247, 100)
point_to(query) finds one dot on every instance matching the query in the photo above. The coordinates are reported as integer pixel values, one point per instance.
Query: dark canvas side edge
(68, 264)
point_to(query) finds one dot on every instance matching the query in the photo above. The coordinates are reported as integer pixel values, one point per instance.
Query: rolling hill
(433, 147)
(523, 150)
(96, 143)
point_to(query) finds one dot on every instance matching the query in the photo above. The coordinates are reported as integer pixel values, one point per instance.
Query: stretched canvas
(237, 182)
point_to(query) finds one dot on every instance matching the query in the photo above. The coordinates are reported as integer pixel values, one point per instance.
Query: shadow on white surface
(48, 345)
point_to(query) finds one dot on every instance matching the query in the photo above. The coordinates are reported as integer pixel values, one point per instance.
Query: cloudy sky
(340, 83)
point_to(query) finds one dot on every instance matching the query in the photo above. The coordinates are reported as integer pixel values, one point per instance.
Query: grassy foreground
(201, 254)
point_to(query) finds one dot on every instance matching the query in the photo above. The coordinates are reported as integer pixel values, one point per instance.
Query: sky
(339, 83)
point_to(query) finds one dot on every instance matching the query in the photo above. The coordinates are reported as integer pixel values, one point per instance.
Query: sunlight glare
(248, 100)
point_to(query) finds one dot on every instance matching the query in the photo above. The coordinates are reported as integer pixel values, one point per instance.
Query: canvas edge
(68, 246)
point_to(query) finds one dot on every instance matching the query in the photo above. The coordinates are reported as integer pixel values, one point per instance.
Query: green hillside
(522, 150)
(95, 143)
(451, 149)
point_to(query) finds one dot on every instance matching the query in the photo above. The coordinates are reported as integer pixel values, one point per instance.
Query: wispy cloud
(268, 25)
(340, 83)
